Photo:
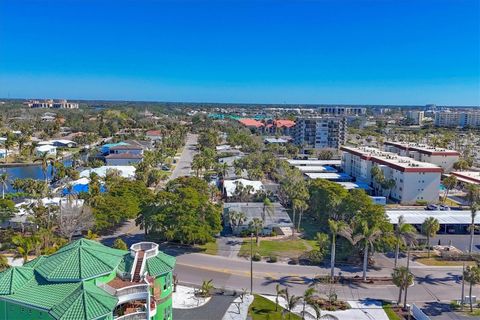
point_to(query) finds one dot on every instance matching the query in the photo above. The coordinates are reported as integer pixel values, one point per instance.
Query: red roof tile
(251, 123)
(284, 123)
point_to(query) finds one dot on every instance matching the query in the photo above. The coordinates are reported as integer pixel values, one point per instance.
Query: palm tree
(402, 278)
(472, 276)
(290, 300)
(3, 182)
(367, 236)
(449, 182)
(207, 287)
(24, 246)
(8, 144)
(404, 233)
(430, 228)
(256, 225)
(44, 160)
(473, 211)
(307, 297)
(301, 206)
(336, 228)
(22, 140)
(268, 208)
(279, 292)
(3, 263)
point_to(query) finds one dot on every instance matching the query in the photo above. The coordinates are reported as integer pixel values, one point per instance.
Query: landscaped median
(264, 309)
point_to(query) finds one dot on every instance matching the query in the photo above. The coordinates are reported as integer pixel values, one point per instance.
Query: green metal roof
(14, 278)
(80, 260)
(42, 294)
(160, 264)
(87, 302)
(33, 263)
(126, 263)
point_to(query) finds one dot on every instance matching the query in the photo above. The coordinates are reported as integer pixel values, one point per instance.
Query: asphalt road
(184, 164)
(437, 285)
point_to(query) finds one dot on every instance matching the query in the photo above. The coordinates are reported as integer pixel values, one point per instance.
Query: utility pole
(407, 284)
(251, 263)
(463, 285)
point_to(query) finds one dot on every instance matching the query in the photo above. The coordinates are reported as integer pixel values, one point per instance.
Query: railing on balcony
(136, 288)
(141, 315)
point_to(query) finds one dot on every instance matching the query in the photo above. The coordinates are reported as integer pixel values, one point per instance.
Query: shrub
(421, 202)
(273, 234)
(313, 257)
(273, 258)
(257, 257)
(120, 244)
(293, 261)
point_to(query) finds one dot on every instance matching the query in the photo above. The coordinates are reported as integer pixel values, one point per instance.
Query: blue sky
(311, 51)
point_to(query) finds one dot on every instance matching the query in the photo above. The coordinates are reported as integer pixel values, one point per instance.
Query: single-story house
(275, 141)
(230, 186)
(274, 218)
(45, 149)
(61, 143)
(125, 171)
(79, 186)
(154, 135)
(123, 159)
(105, 149)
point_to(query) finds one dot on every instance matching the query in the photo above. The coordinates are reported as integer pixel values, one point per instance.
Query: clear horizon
(253, 52)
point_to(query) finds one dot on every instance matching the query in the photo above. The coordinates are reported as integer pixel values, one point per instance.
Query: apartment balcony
(136, 310)
(127, 290)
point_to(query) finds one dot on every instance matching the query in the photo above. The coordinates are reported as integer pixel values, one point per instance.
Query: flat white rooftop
(316, 169)
(472, 177)
(314, 162)
(328, 175)
(390, 158)
(423, 148)
(444, 217)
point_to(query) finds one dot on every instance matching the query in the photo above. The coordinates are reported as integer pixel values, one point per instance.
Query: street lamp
(251, 263)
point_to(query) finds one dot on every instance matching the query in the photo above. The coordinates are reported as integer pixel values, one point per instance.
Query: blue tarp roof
(79, 188)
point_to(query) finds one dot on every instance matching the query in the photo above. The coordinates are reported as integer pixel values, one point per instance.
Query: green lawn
(390, 313)
(209, 248)
(264, 309)
(280, 248)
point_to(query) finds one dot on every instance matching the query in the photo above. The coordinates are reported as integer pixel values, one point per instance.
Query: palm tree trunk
(472, 232)
(293, 228)
(470, 297)
(365, 262)
(397, 249)
(400, 295)
(299, 220)
(428, 247)
(332, 258)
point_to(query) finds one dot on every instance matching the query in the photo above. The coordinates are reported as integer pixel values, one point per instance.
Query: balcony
(135, 310)
(140, 315)
(126, 290)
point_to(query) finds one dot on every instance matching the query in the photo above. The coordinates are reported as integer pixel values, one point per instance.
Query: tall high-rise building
(320, 132)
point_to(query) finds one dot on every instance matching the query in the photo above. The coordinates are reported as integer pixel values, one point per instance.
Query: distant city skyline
(273, 52)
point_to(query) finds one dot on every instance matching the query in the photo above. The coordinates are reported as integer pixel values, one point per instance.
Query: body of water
(28, 172)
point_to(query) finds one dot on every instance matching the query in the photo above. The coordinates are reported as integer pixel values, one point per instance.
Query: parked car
(432, 206)
(444, 208)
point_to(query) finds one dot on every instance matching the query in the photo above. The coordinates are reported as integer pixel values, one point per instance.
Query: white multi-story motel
(414, 180)
(439, 156)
